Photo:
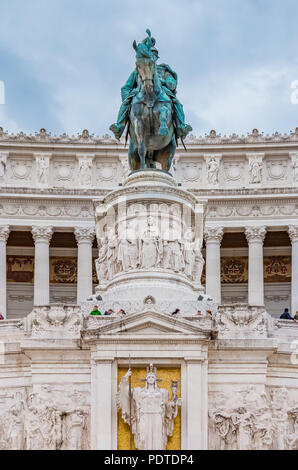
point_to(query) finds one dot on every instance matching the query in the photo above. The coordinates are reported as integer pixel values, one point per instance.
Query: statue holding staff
(148, 410)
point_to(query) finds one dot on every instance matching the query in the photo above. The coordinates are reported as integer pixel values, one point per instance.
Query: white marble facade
(238, 364)
(248, 182)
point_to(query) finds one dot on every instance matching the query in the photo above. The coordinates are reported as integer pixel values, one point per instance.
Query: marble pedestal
(149, 233)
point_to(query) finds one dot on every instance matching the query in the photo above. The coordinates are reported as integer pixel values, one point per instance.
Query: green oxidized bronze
(151, 111)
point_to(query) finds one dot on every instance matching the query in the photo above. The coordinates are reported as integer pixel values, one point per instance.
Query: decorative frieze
(252, 419)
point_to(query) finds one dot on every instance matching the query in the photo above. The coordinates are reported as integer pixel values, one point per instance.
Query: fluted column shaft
(293, 233)
(255, 237)
(213, 238)
(84, 237)
(42, 236)
(4, 233)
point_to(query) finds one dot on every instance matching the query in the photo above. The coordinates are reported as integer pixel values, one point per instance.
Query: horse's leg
(133, 155)
(165, 155)
(172, 149)
(142, 154)
(140, 128)
(164, 120)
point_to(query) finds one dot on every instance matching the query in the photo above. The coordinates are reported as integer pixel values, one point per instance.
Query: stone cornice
(44, 137)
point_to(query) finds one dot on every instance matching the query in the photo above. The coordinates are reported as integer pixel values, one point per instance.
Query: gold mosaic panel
(277, 269)
(63, 270)
(166, 374)
(234, 270)
(20, 269)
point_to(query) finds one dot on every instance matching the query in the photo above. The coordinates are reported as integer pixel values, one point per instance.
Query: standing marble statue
(152, 414)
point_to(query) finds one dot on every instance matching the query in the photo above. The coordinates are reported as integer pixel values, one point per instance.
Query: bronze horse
(151, 125)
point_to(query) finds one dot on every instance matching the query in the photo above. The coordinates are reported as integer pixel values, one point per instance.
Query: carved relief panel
(20, 171)
(276, 170)
(106, 172)
(64, 172)
(233, 172)
(191, 170)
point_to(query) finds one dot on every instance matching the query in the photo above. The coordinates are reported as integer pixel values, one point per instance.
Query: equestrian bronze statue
(153, 115)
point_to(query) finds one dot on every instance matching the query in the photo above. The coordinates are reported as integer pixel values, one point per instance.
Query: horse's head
(145, 62)
(146, 69)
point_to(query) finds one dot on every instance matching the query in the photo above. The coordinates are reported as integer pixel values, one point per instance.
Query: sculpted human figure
(167, 255)
(150, 252)
(226, 426)
(85, 167)
(198, 267)
(293, 435)
(151, 247)
(42, 169)
(189, 257)
(111, 255)
(279, 406)
(295, 168)
(15, 424)
(76, 423)
(123, 255)
(177, 255)
(255, 170)
(2, 166)
(168, 79)
(212, 171)
(133, 250)
(101, 262)
(152, 414)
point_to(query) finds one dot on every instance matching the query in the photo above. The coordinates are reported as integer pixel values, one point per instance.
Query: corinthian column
(255, 237)
(293, 233)
(42, 236)
(213, 238)
(4, 232)
(84, 237)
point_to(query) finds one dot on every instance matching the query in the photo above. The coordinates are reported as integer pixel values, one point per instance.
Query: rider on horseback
(168, 79)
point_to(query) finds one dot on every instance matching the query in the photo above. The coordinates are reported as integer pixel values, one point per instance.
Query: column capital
(4, 233)
(255, 234)
(213, 234)
(84, 234)
(293, 233)
(42, 233)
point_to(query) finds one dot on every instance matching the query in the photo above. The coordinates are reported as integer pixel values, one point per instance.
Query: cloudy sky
(63, 62)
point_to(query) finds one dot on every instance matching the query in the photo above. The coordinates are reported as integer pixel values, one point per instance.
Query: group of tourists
(286, 315)
(95, 311)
